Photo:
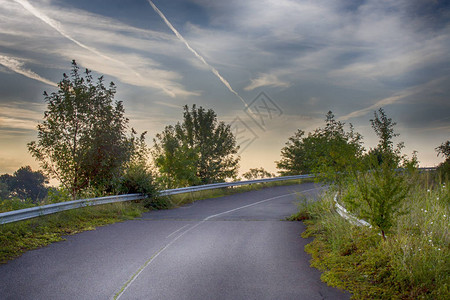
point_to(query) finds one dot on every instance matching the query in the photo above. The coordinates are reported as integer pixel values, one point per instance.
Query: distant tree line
(24, 184)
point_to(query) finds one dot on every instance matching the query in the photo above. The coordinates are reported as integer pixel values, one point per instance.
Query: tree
(25, 184)
(295, 158)
(256, 173)
(337, 151)
(444, 167)
(384, 129)
(176, 161)
(328, 151)
(82, 141)
(382, 189)
(200, 150)
(444, 150)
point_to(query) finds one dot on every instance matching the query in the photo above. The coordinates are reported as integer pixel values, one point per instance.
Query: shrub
(14, 204)
(138, 178)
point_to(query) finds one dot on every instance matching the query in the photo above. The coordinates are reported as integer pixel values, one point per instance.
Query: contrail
(56, 25)
(181, 38)
(16, 66)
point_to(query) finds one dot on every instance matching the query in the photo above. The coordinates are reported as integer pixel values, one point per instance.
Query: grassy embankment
(412, 263)
(19, 237)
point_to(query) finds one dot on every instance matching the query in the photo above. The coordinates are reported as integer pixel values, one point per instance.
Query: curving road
(234, 247)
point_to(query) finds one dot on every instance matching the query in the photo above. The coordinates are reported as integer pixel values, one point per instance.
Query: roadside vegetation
(413, 262)
(405, 253)
(19, 237)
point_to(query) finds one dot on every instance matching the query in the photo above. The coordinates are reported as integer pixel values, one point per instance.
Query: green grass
(19, 237)
(413, 263)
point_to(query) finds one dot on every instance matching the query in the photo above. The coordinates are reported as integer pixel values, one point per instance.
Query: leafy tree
(382, 189)
(4, 189)
(200, 150)
(5, 184)
(82, 141)
(176, 160)
(337, 151)
(444, 167)
(256, 173)
(384, 129)
(444, 150)
(328, 151)
(295, 156)
(24, 184)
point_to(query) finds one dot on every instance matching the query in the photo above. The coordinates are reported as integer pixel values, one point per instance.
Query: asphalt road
(234, 247)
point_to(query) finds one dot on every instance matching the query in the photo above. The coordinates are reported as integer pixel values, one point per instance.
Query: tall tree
(199, 150)
(82, 141)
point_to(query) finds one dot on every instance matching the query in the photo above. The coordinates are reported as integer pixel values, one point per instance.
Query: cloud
(107, 38)
(266, 80)
(183, 40)
(20, 116)
(17, 66)
(398, 96)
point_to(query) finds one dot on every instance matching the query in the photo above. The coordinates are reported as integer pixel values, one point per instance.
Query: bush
(14, 204)
(138, 178)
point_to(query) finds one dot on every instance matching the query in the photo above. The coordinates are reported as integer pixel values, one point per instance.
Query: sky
(267, 67)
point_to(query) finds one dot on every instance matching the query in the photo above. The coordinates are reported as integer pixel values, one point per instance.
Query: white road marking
(142, 268)
(176, 231)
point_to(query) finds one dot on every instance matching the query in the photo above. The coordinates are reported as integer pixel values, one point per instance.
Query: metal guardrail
(32, 212)
(348, 216)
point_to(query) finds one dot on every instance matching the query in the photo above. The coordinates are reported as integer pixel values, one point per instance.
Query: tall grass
(413, 262)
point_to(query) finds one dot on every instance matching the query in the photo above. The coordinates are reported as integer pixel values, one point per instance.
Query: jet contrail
(181, 38)
(56, 25)
(16, 66)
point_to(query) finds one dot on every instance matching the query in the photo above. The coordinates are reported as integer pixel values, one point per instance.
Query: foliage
(14, 204)
(379, 196)
(56, 195)
(82, 139)
(176, 161)
(24, 184)
(295, 156)
(411, 264)
(381, 189)
(328, 152)
(200, 150)
(257, 173)
(444, 167)
(337, 151)
(444, 149)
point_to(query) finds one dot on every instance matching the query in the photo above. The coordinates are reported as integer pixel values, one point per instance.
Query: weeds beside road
(412, 263)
